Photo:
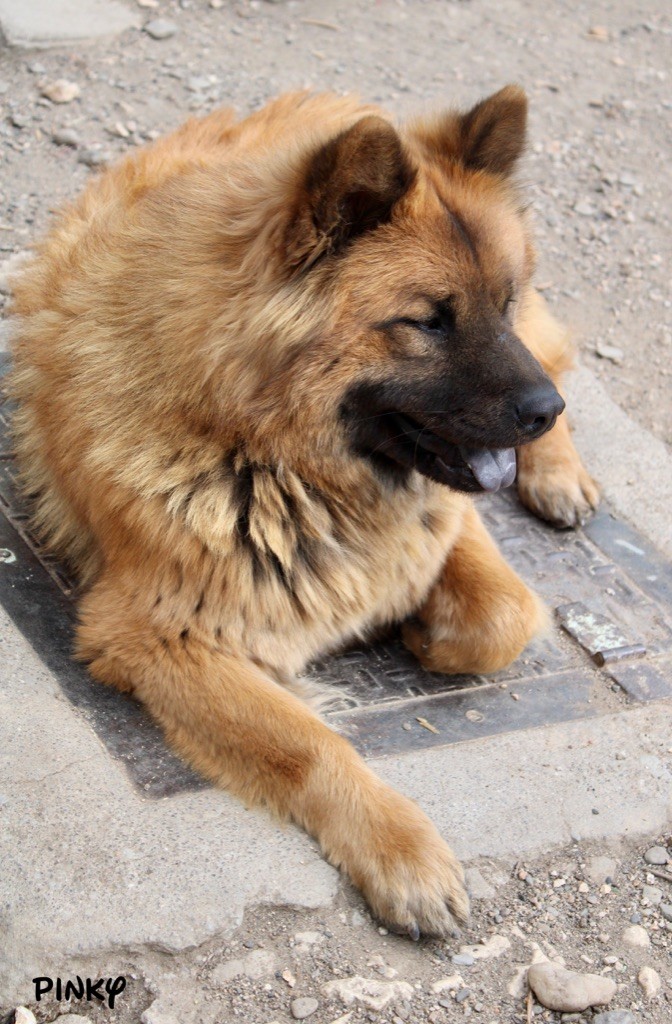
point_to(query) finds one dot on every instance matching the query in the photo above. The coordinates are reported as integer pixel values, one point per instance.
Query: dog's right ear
(349, 186)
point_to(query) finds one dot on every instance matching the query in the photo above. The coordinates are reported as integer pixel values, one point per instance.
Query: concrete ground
(96, 879)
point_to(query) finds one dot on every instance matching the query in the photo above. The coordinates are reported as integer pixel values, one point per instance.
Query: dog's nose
(538, 409)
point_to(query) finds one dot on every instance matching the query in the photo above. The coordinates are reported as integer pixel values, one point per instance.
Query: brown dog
(260, 366)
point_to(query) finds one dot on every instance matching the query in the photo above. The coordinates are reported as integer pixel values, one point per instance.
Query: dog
(262, 368)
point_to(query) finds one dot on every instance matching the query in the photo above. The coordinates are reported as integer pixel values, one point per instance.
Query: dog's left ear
(489, 137)
(349, 186)
(492, 134)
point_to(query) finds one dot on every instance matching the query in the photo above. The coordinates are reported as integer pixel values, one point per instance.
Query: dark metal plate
(612, 578)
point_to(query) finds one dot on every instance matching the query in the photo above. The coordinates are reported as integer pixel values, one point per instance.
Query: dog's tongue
(493, 467)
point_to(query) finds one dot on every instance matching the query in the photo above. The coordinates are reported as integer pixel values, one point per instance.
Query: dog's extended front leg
(247, 733)
(479, 615)
(552, 480)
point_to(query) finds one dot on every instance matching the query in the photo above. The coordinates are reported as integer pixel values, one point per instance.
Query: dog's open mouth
(464, 467)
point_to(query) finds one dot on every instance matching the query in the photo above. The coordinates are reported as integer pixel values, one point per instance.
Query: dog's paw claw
(414, 932)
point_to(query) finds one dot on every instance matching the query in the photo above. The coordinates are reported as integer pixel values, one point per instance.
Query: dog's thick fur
(192, 336)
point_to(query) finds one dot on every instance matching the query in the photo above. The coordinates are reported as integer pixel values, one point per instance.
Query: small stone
(197, 83)
(652, 894)
(256, 965)
(599, 869)
(614, 1017)
(373, 993)
(302, 1008)
(160, 28)
(463, 994)
(72, 1018)
(449, 984)
(649, 982)
(657, 855)
(94, 157)
(308, 938)
(610, 352)
(60, 91)
(494, 946)
(20, 120)
(66, 137)
(216, 4)
(600, 33)
(666, 911)
(556, 988)
(636, 936)
(478, 887)
(584, 208)
(23, 1016)
(463, 960)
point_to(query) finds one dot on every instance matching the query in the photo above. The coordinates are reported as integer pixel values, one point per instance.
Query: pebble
(66, 137)
(636, 936)
(70, 1018)
(160, 28)
(584, 209)
(197, 83)
(94, 157)
(614, 1017)
(610, 352)
(494, 946)
(60, 91)
(556, 988)
(463, 994)
(666, 911)
(463, 960)
(451, 983)
(653, 894)
(256, 965)
(373, 993)
(23, 1016)
(657, 855)
(479, 888)
(308, 938)
(599, 869)
(649, 982)
(303, 1007)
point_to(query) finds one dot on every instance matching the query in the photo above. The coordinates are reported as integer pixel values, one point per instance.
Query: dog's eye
(434, 325)
(441, 322)
(508, 305)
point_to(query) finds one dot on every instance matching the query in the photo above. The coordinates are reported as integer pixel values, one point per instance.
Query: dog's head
(419, 236)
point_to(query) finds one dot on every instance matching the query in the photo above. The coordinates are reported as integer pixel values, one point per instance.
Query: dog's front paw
(560, 492)
(481, 637)
(410, 877)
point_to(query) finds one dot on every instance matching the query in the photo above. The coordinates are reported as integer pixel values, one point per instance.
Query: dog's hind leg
(552, 480)
(479, 615)
(245, 732)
